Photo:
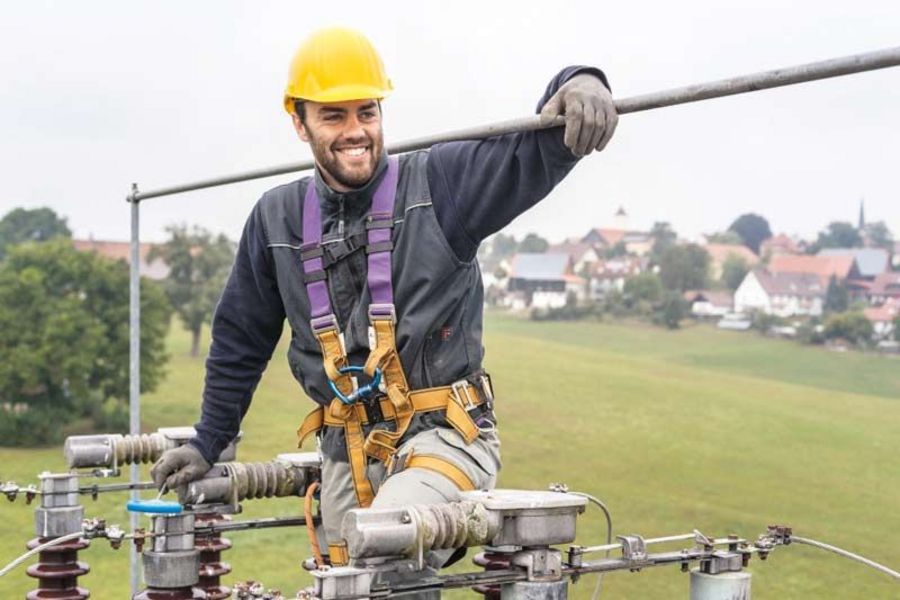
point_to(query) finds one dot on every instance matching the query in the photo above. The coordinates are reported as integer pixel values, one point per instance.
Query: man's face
(346, 140)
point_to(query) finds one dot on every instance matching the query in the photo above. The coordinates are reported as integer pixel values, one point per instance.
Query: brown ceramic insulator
(490, 561)
(58, 570)
(211, 546)
(174, 594)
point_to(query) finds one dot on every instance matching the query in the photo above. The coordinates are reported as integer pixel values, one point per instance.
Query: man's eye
(368, 115)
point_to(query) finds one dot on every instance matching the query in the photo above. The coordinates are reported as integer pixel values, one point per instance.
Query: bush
(670, 311)
(851, 326)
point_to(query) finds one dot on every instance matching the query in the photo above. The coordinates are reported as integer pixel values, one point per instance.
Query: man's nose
(353, 129)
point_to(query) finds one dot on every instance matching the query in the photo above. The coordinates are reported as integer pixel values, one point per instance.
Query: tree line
(64, 323)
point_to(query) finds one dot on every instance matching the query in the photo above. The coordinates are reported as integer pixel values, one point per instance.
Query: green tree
(879, 235)
(671, 310)
(664, 237)
(199, 264)
(64, 340)
(30, 225)
(684, 268)
(725, 237)
(837, 298)
(644, 287)
(897, 329)
(734, 270)
(851, 326)
(838, 234)
(534, 243)
(752, 229)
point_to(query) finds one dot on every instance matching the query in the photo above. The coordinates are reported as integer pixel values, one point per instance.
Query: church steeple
(862, 215)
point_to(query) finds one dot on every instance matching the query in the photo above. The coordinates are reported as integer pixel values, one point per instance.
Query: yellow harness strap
(338, 554)
(438, 465)
(426, 400)
(400, 406)
(334, 357)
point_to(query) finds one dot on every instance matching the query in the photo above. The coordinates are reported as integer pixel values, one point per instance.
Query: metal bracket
(541, 564)
(633, 548)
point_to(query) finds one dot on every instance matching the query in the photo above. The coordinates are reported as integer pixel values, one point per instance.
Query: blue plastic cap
(155, 507)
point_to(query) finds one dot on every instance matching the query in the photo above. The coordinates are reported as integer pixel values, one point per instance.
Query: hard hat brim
(344, 93)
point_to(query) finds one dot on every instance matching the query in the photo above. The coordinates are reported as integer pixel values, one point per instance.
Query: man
(372, 262)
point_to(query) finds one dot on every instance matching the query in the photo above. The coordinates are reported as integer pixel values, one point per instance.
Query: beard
(350, 174)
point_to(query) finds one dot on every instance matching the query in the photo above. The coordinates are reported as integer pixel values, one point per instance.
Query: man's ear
(300, 128)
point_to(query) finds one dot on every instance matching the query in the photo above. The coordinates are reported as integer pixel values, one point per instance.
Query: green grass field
(720, 431)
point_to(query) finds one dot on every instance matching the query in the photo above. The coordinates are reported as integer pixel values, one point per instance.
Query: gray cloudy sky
(96, 95)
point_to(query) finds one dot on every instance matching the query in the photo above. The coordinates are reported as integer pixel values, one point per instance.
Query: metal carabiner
(365, 392)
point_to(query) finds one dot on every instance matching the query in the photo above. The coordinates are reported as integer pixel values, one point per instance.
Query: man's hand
(590, 114)
(179, 466)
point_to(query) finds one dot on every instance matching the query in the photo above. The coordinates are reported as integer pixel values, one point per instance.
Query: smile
(353, 152)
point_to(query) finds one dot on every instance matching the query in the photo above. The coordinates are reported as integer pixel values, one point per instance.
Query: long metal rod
(857, 63)
(134, 370)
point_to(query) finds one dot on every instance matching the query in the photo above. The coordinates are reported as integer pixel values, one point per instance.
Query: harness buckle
(380, 312)
(478, 412)
(468, 404)
(372, 406)
(324, 323)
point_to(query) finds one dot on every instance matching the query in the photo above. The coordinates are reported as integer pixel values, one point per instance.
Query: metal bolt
(405, 518)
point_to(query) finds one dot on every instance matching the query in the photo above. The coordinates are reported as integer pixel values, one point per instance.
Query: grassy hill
(720, 431)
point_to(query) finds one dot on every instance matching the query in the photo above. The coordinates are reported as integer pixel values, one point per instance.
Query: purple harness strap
(379, 223)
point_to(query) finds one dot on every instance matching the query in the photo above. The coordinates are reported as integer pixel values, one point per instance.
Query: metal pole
(837, 67)
(134, 365)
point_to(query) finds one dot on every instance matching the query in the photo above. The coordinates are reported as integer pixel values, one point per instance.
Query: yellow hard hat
(335, 65)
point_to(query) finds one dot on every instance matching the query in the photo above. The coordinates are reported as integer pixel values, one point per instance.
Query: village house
(611, 273)
(638, 243)
(871, 262)
(542, 281)
(156, 269)
(883, 318)
(841, 268)
(584, 255)
(784, 294)
(709, 303)
(781, 244)
(884, 288)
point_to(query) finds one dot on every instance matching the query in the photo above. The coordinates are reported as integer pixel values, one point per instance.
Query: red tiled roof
(822, 267)
(887, 312)
(886, 284)
(779, 244)
(805, 285)
(156, 269)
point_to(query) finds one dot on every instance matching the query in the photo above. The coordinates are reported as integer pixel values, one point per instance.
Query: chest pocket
(446, 357)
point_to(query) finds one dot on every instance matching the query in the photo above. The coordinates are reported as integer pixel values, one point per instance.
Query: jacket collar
(359, 196)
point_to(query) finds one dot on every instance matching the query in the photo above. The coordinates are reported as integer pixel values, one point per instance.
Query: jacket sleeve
(479, 187)
(246, 328)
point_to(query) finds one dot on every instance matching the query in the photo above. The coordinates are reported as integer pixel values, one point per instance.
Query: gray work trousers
(480, 461)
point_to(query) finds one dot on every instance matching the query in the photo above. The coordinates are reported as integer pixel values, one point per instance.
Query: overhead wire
(599, 587)
(37, 549)
(845, 554)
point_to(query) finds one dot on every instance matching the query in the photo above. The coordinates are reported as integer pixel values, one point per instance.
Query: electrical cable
(599, 503)
(845, 554)
(310, 525)
(37, 549)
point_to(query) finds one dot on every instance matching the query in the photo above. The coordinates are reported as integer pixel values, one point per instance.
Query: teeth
(354, 151)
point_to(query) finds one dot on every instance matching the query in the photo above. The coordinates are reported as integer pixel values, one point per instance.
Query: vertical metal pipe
(134, 363)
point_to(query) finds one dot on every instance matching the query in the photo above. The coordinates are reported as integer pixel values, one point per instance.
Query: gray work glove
(589, 111)
(179, 466)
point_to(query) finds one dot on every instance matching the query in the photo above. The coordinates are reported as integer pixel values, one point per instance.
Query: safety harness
(387, 397)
